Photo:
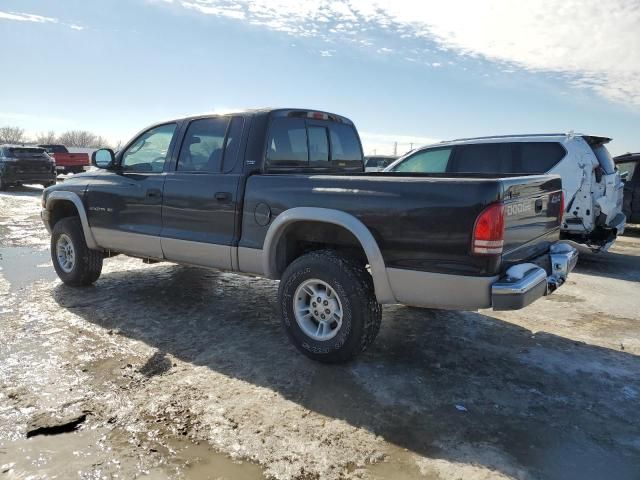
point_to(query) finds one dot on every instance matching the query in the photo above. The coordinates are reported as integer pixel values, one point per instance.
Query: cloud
(30, 17)
(26, 17)
(591, 44)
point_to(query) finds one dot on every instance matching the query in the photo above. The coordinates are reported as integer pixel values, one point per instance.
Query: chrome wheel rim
(318, 310)
(65, 253)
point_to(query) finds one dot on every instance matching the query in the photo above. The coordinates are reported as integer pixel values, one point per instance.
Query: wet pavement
(182, 372)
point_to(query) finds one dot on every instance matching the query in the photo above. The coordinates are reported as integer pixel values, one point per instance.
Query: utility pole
(411, 146)
(395, 148)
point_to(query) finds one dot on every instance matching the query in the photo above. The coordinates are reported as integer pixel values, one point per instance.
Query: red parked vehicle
(67, 162)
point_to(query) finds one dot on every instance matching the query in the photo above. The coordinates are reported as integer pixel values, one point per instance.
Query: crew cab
(67, 162)
(592, 187)
(23, 164)
(282, 194)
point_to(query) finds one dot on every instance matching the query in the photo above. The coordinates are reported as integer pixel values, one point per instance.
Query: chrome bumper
(525, 283)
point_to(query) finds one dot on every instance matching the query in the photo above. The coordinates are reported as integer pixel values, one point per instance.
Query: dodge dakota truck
(281, 193)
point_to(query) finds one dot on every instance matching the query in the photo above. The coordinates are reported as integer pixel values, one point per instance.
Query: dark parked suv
(629, 166)
(20, 165)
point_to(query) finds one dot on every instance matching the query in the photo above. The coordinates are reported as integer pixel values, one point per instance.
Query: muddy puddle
(21, 266)
(96, 453)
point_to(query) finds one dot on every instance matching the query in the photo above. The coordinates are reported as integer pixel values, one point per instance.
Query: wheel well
(302, 237)
(62, 209)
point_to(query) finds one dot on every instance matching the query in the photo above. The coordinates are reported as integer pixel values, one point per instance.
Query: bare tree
(46, 138)
(11, 134)
(81, 138)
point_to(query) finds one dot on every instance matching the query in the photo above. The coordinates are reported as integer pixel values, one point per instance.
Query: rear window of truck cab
(305, 143)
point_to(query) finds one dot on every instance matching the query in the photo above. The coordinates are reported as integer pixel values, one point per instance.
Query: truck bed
(421, 222)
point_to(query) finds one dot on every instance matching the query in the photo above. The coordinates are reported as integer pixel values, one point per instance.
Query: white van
(593, 189)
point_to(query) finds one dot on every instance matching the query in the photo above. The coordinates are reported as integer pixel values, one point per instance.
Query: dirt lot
(174, 372)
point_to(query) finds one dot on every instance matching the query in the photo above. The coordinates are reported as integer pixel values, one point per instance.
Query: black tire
(361, 312)
(88, 263)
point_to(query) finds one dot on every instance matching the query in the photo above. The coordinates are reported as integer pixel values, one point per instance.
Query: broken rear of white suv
(593, 188)
(595, 193)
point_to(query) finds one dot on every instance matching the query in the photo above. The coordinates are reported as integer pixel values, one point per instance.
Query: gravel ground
(176, 372)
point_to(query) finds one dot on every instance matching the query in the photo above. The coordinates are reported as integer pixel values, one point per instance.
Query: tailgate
(533, 212)
(71, 159)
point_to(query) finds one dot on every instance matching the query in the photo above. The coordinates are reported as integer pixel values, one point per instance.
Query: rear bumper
(70, 168)
(523, 284)
(28, 177)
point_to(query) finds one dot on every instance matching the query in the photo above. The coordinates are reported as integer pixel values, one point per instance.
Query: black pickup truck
(282, 194)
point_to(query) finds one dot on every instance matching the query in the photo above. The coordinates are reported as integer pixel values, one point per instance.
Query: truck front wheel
(328, 306)
(75, 263)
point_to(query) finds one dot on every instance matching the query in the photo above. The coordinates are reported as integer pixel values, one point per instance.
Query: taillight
(488, 232)
(561, 213)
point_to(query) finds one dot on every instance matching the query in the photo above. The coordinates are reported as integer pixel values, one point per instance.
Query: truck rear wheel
(328, 306)
(75, 263)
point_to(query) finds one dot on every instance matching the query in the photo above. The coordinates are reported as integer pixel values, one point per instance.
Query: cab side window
(150, 150)
(203, 144)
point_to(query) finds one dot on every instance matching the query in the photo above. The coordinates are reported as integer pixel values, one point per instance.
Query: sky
(405, 71)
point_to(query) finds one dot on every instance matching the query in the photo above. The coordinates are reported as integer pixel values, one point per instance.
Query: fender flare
(55, 197)
(383, 291)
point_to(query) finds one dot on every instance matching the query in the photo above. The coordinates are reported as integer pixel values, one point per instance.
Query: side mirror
(103, 158)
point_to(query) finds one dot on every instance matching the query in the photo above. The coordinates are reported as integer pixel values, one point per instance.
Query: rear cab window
(312, 143)
(287, 143)
(55, 148)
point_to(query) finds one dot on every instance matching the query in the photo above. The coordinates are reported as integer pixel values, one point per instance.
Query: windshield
(627, 167)
(55, 148)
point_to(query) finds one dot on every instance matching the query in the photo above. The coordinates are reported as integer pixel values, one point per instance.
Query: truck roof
(302, 112)
(627, 157)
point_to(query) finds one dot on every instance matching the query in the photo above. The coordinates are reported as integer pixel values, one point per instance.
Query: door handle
(153, 193)
(222, 196)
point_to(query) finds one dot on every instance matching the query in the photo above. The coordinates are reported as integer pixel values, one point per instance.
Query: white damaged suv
(592, 187)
